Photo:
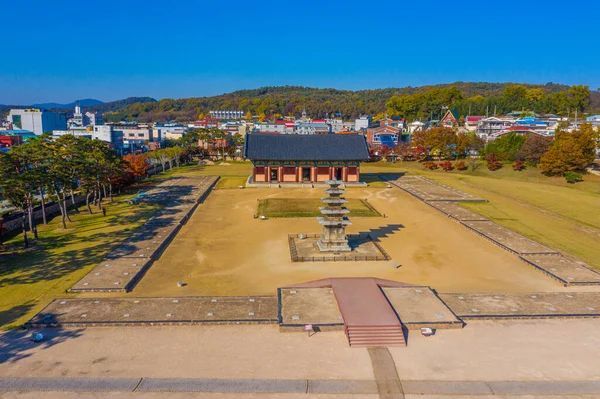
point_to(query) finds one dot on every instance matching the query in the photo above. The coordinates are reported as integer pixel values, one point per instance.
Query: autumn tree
(493, 163)
(570, 152)
(438, 141)
(136, 164)
(534, 147)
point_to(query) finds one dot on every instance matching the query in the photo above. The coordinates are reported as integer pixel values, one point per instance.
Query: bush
(573, 177)
(460, 165)
(493, 163)
(519, 165)
(430, 165)
(446, 165)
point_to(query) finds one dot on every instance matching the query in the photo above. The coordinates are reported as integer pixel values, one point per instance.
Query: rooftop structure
(295, 158)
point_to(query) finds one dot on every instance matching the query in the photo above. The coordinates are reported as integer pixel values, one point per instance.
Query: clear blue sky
(64, 50)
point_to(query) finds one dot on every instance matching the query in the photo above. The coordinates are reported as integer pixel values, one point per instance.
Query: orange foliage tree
(137, 164)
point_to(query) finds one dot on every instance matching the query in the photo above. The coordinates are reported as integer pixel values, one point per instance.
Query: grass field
(547, 209)
(309, 207)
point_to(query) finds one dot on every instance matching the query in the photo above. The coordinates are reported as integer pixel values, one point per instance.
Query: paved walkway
(387, 385)
(386, 376)
(362, 303)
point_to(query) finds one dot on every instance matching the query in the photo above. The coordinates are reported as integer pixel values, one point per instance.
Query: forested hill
(291, 100)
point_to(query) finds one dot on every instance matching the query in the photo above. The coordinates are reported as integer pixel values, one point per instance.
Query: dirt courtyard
(223, 250)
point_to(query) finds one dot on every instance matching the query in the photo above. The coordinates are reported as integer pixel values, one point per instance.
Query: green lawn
(548, 209)
(309, 207)
(29, 279)
(232, 182)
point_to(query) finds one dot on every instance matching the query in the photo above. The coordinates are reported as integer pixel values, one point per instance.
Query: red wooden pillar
(345, 174)
(314, 174)
(268, 174)
(280, 174)
(358, 173)
(253, 173)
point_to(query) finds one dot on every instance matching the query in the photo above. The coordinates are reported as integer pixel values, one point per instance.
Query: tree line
(565, 154)
(44, 170)
(319, 103)
(434, 102)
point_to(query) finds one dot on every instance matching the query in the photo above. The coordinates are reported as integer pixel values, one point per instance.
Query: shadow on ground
(382, 232)
(16, 345)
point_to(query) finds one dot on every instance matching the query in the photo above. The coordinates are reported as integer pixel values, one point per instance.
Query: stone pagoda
(334, 221)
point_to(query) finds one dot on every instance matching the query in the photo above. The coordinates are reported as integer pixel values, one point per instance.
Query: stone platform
(429, 190)
(532, 305)
(100, 312)
(364, 249)
(316, 303)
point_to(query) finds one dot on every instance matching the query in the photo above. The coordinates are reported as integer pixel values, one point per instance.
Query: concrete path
(387, 385)
(386, 376)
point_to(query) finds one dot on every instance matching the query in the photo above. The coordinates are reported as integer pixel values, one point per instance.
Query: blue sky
(64, 50)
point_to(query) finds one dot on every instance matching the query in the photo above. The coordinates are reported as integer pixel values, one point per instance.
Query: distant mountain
(87, 102)
(95, 106)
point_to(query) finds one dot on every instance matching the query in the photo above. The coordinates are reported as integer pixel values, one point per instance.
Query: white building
(227, 114)
(312, 128)
(173, 131)
(37, 121)
(270, 127)
(93, 119)
(362, 123)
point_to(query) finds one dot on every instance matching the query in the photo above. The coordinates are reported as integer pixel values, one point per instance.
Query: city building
(362, 123)
(7, 142)
(278, 127)
(314, 127)
(228, 115)
(25, 135)
(492, 125)
(389, 132)
(310, 158)
(471, 122)
(450, 119)
(37, 121)
(205, 123)
(172, 131)
(93, 118)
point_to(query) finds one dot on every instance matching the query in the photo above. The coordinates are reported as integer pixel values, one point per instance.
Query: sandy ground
(188, 395)
(226, 351)
(223, 250)
(492, 351)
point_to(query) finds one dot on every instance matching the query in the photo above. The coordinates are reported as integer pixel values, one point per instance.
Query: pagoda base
(333, 247)
(306, 248)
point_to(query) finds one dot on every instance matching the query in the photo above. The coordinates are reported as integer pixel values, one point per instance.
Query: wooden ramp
(369, 320)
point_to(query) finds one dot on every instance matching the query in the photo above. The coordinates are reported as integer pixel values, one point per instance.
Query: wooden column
(345, 174)
(268, 174)
(280, 173)
(314, 174)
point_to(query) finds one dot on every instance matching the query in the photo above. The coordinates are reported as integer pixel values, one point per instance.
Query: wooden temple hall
(294, 158)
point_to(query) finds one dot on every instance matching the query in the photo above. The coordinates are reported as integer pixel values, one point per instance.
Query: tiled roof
(296, 147)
